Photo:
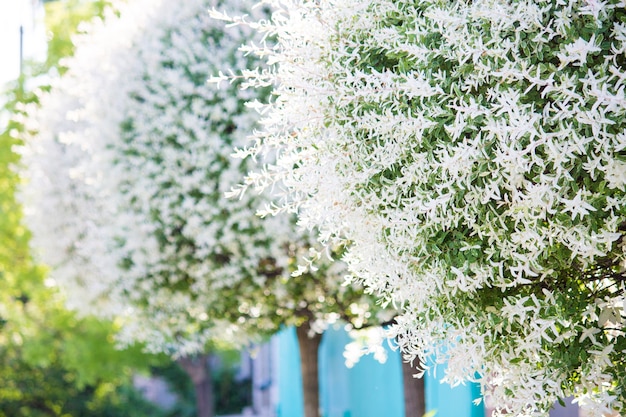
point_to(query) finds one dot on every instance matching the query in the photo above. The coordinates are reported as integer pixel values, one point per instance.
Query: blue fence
(369, 389)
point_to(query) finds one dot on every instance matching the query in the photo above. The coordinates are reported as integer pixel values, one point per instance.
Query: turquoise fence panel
(369, 389)
(334, 377)
(376, 389)
(291, 400)
(451, 402)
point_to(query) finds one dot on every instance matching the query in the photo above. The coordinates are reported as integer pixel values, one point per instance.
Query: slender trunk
(309, 356)
(414, 392)
(198, 370)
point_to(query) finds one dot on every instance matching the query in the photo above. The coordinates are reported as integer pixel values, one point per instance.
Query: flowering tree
(127, 167)
(470, 154)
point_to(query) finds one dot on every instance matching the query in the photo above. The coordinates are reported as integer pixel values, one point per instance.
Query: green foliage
(231, 394)
(63, 19)
(181, 385)
(29, 390)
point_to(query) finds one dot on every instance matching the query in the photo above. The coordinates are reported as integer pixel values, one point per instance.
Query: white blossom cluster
(472, 157)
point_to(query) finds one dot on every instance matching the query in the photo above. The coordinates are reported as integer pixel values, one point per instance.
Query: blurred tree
(52, 363)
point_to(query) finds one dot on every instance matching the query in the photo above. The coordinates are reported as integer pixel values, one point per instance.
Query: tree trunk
(198, 370)
(309, 355)
(414, 392)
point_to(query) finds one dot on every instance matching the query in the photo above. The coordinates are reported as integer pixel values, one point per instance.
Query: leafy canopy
(471, 156)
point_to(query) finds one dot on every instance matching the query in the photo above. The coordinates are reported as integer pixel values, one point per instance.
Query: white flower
(615, 174)
(577, 206)
(576, 52)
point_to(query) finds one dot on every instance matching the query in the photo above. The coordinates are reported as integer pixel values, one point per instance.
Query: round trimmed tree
(471, 156)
